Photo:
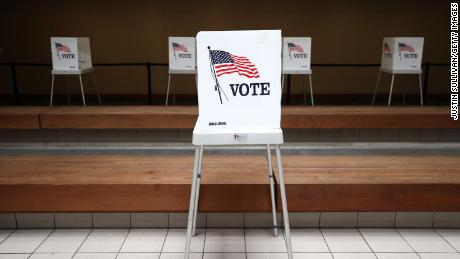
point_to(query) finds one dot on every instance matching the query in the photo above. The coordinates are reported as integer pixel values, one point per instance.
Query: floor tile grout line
(204, 241)
(245, 245)
(324, 239)
(367, 243)
(164, 241)
(453, 247)
(46, 238)
(407, 242)
(8, 236)
(124, 240)
(84, 240)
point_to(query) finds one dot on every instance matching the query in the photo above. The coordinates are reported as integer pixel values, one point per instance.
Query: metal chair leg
(284, 203)
(52, 90)
(311, 92)
(167, 90)
(192, 204)
(97, 88)
(376, 87)
(391, 88)
(197, 196)
(82, 92)
(421, 89)
(271, 176)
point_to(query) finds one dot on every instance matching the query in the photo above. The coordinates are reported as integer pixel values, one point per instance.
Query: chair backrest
(182, 53)
(71, 53)
(296, 53)
(402, 53)
(239, 81)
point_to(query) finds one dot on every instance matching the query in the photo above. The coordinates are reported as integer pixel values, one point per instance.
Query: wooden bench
(184, 117)
(64, 183)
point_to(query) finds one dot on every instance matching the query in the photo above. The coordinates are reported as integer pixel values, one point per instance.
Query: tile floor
(212, 243)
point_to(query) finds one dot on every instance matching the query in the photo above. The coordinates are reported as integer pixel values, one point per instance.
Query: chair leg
(284, 203)
(197, 196)
(52, 90)
(391, 88)
(192, 204)
(376, 87)
(421, 89)
(271, 176)
(311, 92)
(167, 90)
(97, 88)
(82, 92)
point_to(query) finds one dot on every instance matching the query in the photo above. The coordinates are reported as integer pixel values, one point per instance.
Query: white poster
(239, 80)
(70, 53)
(182, 54)
(296, 54)
(402, 53)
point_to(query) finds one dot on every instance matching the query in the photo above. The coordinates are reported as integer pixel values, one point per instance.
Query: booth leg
(192, 204)
(197, 195)
(271, 178)
(174, 90)
(52, 90)
(68, 89)
(284, 203)
(376, 87)
(305, 90)
(167, 89)
(282, 83)
(311, 92)
(82, 92)
(391, 88)
(97, 88)
(421, 89)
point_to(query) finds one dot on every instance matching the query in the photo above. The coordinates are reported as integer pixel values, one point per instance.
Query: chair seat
(296, 72)
(401, 71)
(72, 72)
(238, 137)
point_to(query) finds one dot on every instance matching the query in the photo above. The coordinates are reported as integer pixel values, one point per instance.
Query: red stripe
(238, 68)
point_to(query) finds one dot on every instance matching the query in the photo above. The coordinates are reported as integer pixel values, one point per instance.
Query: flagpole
(217, 86)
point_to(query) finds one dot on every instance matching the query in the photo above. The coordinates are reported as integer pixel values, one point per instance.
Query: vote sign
(239, 80)
(296, 54)
(182, 53)
(402, 53)
(70, 53)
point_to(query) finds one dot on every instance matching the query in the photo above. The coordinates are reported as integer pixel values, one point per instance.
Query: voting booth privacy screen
(402, 53)
(239, 81)
(296, 54)
(70, 53)
(182, 53)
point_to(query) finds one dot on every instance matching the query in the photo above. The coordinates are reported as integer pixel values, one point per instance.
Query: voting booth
(182, 59)
(297, 60)
(401, 55)
(71, 56)
(239, 96)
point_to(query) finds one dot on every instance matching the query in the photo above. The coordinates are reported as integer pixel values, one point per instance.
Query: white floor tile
(313, 256)
(138, 256)
(95, 256)
(52, 256)
(4, 233)
(267, 256)
(345, 240)
(104, 240)
(180, 256)
(24, 240)
(63, 240)
(452, 236)
(175, 241)
(224, 240)
(354, 256)
(397, 256)
(144, 240)
(308, 240)
(263, 240)
(425, 240)
(439, 255)
(385, 240)
(224, 256)
(14, 256)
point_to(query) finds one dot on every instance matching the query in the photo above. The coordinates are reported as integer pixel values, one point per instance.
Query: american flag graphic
(179, 47)
(294, 48)
(405, 47)
(61, 48)
(386, 48)
(226, 63)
